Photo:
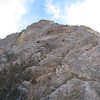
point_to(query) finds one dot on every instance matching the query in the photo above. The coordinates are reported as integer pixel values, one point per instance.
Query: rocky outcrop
(49, 61)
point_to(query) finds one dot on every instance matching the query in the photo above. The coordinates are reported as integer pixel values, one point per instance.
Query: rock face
(49, 61)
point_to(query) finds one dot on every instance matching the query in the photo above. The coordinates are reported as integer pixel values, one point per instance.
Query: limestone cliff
(49, 61)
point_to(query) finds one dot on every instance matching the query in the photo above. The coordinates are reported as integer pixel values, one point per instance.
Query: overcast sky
(15, 15)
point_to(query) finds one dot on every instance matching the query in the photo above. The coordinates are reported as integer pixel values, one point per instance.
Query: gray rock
(49, 61)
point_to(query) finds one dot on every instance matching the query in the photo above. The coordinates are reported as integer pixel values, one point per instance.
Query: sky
(16, 15)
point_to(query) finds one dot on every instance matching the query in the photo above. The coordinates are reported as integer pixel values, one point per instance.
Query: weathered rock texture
(49, 61)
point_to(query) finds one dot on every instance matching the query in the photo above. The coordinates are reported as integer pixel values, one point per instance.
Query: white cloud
(85, 13)
(52, 9)
(81, 13)
(11, 12)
